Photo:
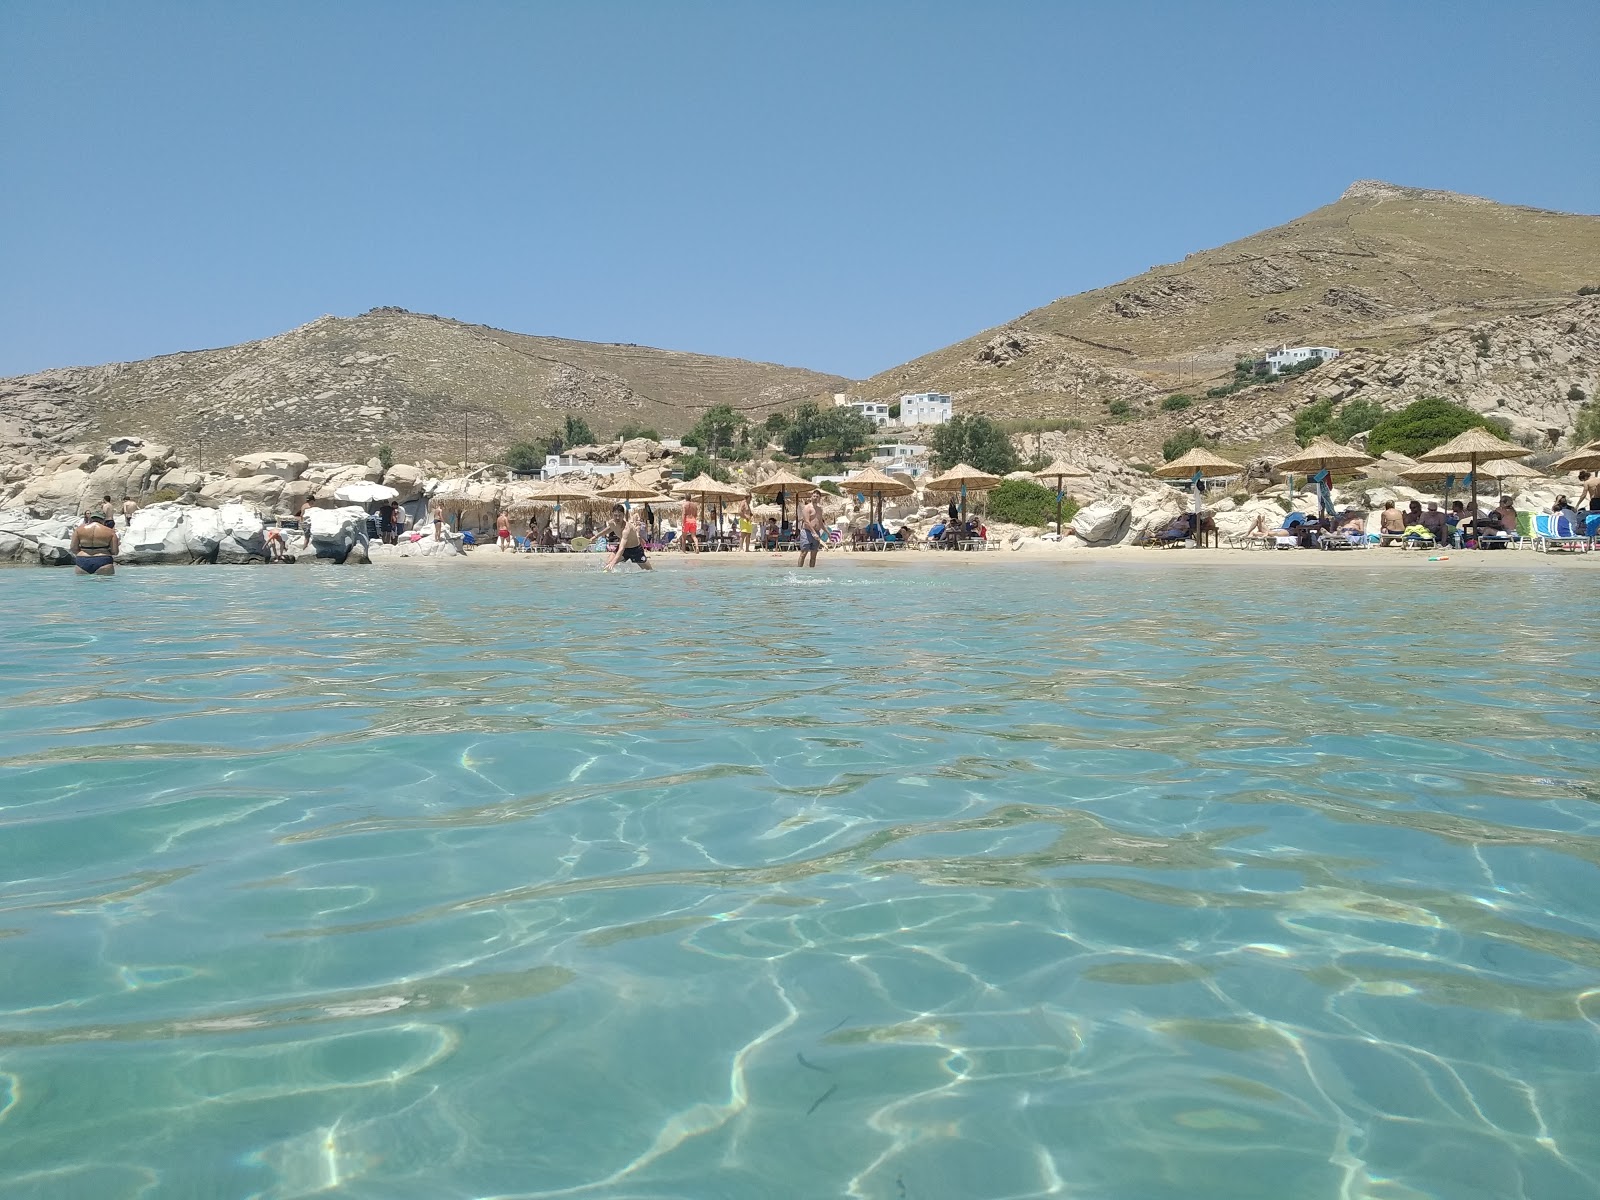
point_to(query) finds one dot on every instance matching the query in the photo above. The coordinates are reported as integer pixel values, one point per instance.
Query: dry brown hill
(1384, 268)
(339, 386)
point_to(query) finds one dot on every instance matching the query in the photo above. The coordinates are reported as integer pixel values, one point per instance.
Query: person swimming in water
(94, 545)
(629, 545)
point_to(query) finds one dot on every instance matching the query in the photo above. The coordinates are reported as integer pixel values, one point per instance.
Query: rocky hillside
(1386, 270)
(339, 386)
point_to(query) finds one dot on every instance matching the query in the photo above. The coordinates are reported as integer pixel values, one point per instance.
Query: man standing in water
(630, 545)
(811, 528)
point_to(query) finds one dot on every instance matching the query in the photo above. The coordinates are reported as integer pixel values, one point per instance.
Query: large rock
(638, 451)
(1103, 523)
(1153, 510)
(338, 535)
(28, 539)
(243, 535)
(283, 464)
(172, 533)
(405, 479)
(76, 489)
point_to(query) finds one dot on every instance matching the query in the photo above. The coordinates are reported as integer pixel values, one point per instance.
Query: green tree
(1423, 425)
(804, 427)
(894, 410)
(385, 455)
(1341, 424)
(525, 456)
(696, 464)
(776, 422)
(975, 440)
(634, 430)
(716, 430)
(847, 429)
(575, 431)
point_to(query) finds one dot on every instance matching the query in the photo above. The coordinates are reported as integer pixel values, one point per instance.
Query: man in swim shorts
(691, 525)
(629, 543)
(811, 528)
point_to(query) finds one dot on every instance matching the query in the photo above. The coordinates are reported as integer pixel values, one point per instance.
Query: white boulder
(405, 479)
(243, 535)
(1103, 523)
(283, 464)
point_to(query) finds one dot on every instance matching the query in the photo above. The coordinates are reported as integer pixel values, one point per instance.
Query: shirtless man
(629, 544)
(129, 507)
(691, 525)
(107, 511)
(1590, 498)
(811, 528)
(305, 524)
(1391, 524)
(438, 522)
(502, 530)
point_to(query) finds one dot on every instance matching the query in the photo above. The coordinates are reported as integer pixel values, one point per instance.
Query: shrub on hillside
(1181, 443)
(696, 464)
(385, 456)
(1340, 424)
(1424, 425)
(1176, 402)
(1586, 428)
(1020, 502)
(1118, 408)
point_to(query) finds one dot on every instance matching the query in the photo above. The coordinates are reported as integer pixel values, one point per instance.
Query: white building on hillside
(873, 410)
(1289, 356)
(925, 408)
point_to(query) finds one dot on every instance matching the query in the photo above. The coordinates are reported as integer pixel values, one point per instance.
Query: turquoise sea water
(1095, 881)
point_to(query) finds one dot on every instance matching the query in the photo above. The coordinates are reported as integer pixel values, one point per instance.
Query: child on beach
(629, 545)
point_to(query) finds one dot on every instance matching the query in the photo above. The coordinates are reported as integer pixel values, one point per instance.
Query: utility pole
(463, 443)
(202, 452)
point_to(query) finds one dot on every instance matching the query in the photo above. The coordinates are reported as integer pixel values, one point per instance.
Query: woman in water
(95, 545)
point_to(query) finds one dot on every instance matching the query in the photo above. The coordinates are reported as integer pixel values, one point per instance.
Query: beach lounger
(1558, 534)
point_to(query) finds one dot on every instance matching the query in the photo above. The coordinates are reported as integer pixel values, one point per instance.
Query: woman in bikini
(94, 545)
(691, 524)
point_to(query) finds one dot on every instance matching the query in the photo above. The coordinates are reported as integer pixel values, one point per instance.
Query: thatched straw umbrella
(1476, 446)
(780, 484)
(963, 478)
(1059, 472)
(1196, 465)
(704, 488)
(1323, 457)
(875, 485)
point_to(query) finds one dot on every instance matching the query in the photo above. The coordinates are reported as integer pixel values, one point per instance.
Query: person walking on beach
(629, 546)
(502, 531)
(691, 525)
(811, 528)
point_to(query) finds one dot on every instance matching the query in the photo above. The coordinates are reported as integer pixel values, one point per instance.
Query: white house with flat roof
(873, 410)
(925, 408)
(1289, 356)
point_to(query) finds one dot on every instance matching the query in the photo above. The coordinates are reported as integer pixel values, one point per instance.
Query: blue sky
(842, 186)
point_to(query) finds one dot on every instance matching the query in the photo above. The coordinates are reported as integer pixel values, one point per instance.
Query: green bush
(1176, 402)
(1423, 425)
(525, 456)
(894, 410)
(634, 430)
(1041, 425)
(1575, 395)
(1118, 408)
(829, 486)
(1589, 291)
(1340, 424)
(1481, 341)
(1586, 428)
(975, 440)
(164, 495)
(385, 456)
(1021, 502)
(1181, 443)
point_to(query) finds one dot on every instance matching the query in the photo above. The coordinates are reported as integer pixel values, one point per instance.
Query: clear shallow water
(1092, 881)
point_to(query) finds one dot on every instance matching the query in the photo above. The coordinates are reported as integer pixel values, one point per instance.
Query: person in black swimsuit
(94, 545)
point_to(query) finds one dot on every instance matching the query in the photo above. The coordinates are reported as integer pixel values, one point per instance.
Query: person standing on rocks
(438, 522)
(107, 510)
(129, 507)
(305, 523)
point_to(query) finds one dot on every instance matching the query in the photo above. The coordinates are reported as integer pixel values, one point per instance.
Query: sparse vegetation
(1182, 442)
(1118, 408)
(634, 430)
(1041, 425)
(1176, 402)
(975, 440)
(385, 456)
(697, 464)
(1575, 395)
(575, 431)
(829, 486)
(1481, 341)
(1590, 290)
(1425, 424)
(1020, 502)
